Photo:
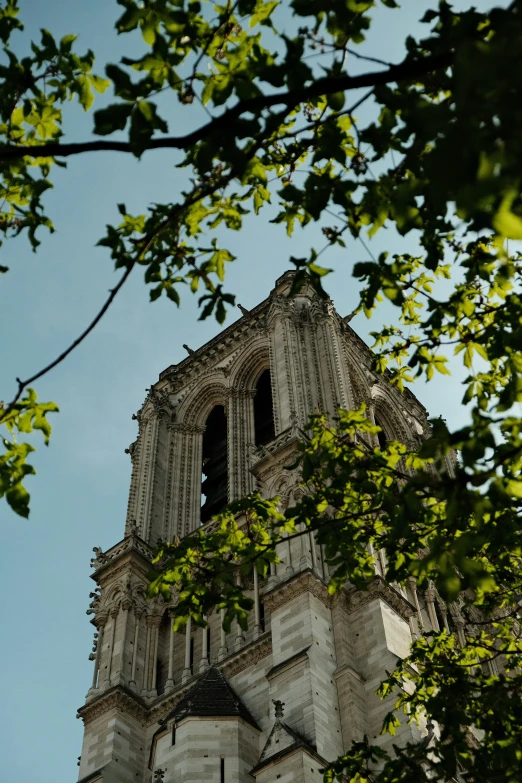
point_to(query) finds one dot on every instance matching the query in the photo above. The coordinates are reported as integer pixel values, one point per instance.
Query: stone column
(137, 617)
(204, 664)
(145, 682)
(257, 612)
(155, 623)
(187, 671)
(223, 649)
(288, 546)
(444, 612)
(126, 604)
(272, 575)
(114, 614)
(305, 561)
(313, 551)
(430, 604)
(169, 685)
(413, 587)
(460, 625)
(100, 623)
(240, 639)
(324, 565)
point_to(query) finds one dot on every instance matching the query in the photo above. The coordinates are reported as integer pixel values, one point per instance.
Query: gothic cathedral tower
(291, 694)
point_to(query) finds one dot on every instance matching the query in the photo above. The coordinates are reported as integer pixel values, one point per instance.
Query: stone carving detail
(99, 558)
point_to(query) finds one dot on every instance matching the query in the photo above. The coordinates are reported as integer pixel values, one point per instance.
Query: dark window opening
(173, 733)
(264, 410)
(214, 485)
(222, 770)
(381, 437)
(262, 615)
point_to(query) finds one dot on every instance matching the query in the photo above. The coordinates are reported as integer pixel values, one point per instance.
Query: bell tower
(292, 693)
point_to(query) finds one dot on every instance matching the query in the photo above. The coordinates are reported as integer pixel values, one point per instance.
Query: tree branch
(407, 70)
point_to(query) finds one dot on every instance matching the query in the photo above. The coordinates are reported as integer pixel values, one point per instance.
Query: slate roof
(212, 696)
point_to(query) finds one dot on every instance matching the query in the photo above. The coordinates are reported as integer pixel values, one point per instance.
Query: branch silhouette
(408, 69)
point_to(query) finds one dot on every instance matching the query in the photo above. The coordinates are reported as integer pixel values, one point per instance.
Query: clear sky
(79, 495)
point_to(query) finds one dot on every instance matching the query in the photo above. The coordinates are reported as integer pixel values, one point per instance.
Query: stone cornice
(303, 582)
(130, 545)
(352, 599)
(115, 698)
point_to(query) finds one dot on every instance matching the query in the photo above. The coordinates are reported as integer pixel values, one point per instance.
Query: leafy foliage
(24, 417)
(438, 156)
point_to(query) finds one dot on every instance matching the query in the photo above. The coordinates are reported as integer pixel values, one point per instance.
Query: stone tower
(280, 701)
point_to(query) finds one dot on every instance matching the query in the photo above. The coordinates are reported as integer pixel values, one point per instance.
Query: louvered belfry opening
(264, 410)
(214, 485)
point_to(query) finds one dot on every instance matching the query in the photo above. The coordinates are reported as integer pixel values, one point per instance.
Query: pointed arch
(253, 360)
(388, 415)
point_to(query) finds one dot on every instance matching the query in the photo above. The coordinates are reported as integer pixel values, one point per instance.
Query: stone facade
(321, 656)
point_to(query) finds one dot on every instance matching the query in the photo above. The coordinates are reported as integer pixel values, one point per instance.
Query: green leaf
(111, 119)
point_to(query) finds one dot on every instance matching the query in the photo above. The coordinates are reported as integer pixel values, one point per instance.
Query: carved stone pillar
(155, 622)
(460, 625)
(413, 587)
(272, 575)
(146, 665)
(204, 664)
(169, 685)
(430, 605)
(187, 671)
(184, 478)
(444, 614)
(100, 623)
(223, 649)
(240, 639)
(306, 560)
(257, 609)
(114, 614)
(288, 549)
(137, 617)
(126, 605)
(313, 552)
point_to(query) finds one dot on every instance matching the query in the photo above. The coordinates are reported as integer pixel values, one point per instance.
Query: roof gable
(212, 696)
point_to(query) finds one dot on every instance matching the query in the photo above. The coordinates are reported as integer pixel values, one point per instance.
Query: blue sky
(79, 494)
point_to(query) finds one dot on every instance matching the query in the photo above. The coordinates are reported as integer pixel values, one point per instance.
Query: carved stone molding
(114, 699)
(304, 582)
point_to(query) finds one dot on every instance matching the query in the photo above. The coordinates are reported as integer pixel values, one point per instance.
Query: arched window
(381, 436)
(214, 484)
(264, 410)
